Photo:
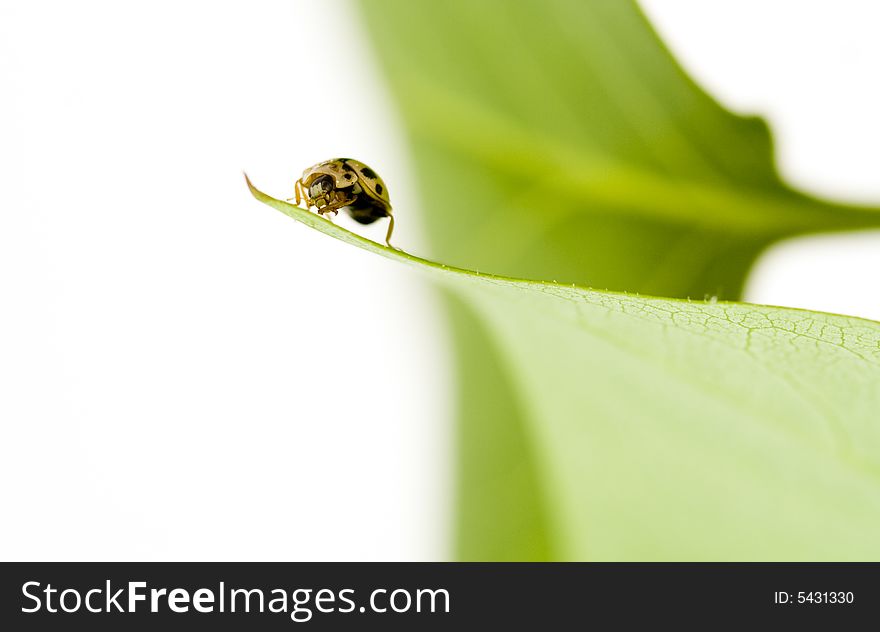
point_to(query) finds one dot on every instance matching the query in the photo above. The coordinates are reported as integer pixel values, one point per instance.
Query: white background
(810, 67)
(187, 374)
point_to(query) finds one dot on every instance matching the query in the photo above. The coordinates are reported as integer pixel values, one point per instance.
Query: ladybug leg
(299, 193)
(295, 193)
(335, 205)
(390, 230)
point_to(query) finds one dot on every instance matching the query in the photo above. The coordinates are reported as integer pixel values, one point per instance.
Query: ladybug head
(321, 186)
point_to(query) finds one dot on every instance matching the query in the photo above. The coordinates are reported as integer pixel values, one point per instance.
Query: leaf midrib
(593, 183)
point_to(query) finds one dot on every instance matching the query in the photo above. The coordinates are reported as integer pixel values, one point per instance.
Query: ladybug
(349, 185)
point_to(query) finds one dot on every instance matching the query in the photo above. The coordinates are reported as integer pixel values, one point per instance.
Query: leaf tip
(254, 190)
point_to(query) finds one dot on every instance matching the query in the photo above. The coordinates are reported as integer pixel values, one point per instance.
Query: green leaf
(558, 140)
(672, 429)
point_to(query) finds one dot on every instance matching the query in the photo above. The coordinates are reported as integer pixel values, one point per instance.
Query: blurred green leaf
(671, 429)
(559, 140)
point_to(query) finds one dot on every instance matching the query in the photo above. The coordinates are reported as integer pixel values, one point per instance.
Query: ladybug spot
(379, 189)
(348, 176)
(369, 173)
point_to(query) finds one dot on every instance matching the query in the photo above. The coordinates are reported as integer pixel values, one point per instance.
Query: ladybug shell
(347, 172)
(369, 180)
